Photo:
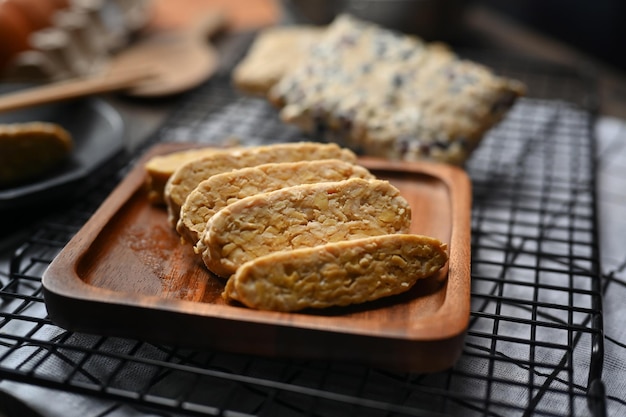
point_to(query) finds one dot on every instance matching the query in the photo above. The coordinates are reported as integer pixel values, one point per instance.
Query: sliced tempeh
(160, 168)
(30, 150)
(336, 274)
(301, 216)
(226, 188)
(189, 175)
(275, 51)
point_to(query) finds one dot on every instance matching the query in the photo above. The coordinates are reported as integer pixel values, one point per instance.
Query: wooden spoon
(160, 64)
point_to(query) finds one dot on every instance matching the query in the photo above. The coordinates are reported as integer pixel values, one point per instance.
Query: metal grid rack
(534, 344)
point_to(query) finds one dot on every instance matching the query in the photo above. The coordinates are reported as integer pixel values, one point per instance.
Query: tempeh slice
(160, 168)
(31, 150)
(336, 274)
(226, 188)
(189, 175)
(275, 51)
(301, 216)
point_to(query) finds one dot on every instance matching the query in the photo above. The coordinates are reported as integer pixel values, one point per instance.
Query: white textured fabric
(611, 134)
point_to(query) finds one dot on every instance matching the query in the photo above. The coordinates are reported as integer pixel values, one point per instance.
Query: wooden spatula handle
(70, 89)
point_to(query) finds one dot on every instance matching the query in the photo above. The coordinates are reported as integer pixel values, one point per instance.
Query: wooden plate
(126, 273)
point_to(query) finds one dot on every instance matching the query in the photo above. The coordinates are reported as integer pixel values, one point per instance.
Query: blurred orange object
(14, 31)
(38, 12)
(240, 14)
(20, 18)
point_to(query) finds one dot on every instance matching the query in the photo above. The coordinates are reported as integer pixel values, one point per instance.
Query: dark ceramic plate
(97, 130)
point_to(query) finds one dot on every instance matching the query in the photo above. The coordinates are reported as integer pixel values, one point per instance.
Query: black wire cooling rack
(534, 345)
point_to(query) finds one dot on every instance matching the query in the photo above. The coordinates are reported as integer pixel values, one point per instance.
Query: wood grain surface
(127, 273)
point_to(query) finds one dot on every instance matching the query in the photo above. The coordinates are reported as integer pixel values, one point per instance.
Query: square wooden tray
(126, 273)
